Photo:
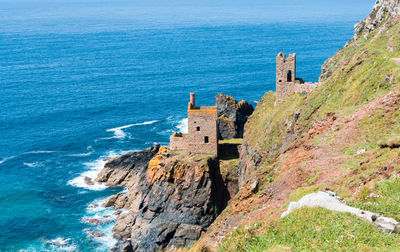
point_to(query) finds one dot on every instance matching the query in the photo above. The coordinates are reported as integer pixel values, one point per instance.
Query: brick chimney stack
(192, 99)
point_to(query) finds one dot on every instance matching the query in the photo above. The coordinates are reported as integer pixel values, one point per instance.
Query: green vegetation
(383, 198)
(311, 229)
(231, 141)
(370, 174)
(361, 72)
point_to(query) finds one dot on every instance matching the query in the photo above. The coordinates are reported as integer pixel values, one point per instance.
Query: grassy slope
(362, 72)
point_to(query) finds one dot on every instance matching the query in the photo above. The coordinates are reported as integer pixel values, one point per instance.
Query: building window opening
(198, 128)
(206, 139)
(289, 75)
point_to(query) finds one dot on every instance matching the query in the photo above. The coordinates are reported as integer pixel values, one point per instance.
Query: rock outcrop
(382, 11)
(172, 197)
(385, 13)
(232, 116)
(331, 201)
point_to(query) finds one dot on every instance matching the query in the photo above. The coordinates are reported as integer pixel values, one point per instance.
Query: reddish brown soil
(303, 160)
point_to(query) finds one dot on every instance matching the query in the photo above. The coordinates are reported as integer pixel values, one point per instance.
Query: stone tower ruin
(287, 82)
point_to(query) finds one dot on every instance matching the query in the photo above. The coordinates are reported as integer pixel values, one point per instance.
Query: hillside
(342, 137)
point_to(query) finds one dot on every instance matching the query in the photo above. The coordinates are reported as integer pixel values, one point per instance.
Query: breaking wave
(101, 221)
(183, 125)
(90, 174)
(85, 154)
(3, 160)
(119, 133)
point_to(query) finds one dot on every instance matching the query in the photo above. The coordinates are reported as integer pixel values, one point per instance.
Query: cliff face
(383, 11)
(172, 197)
(232, 116)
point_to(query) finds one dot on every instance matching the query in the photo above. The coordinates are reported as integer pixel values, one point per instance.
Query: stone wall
(178, 141)
(305, 88)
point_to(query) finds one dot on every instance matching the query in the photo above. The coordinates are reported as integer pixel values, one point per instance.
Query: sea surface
(82, 81)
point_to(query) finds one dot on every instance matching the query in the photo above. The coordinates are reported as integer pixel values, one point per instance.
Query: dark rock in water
(88, 181)
(170, 199)
(236, 112)
(96, 234)
(92, 221)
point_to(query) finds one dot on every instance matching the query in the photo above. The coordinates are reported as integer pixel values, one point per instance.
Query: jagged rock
(123, 246)
(110, 201)
(121, 201)
(382, 9)
(226, 128)
(237, 112)
(123, 226)
(254, 186)
(331, 201)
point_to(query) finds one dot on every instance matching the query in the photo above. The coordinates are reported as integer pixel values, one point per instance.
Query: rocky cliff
(383, 16)
(171, 198)
(383, 11)
(232, 116)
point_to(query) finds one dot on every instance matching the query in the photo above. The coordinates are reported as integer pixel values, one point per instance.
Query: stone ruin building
(202, 136)
(286, 81)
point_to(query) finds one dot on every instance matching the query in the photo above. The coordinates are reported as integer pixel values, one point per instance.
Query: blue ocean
(82, 81)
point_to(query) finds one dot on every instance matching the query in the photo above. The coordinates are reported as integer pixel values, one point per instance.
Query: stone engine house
(202, 136)
(286, 81)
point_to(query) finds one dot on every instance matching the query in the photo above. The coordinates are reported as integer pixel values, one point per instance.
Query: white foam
(59, 244)
(107, 218)
(119, 133)
(40, 152)
(34, 164)
(183, 125)
(89, 148)
(59, 241)
(94, 168)
(107, 239)
(81, 154)
(3, 160)
(96, 205)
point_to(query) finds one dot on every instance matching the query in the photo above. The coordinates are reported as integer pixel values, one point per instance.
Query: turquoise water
(81, 82)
